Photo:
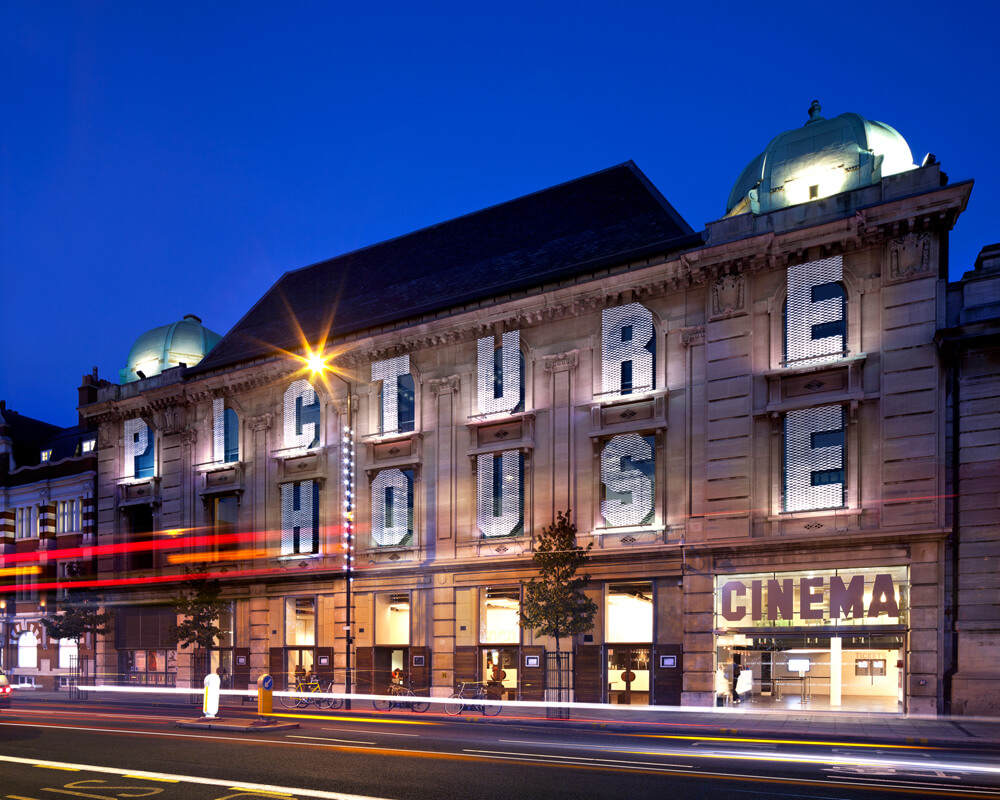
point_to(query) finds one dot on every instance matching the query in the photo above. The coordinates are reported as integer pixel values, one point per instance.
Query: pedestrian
(737, 669)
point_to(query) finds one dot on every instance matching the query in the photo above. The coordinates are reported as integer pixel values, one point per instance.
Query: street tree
(554, 603)
(199, 602)
(79, 614)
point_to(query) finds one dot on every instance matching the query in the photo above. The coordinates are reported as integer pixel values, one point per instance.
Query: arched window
(140, 450)
(27, 650)
(501, 374)
(628, 350)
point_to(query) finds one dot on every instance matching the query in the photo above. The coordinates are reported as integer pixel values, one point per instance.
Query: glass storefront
(300, 637)
(821, 639)
(629, 635)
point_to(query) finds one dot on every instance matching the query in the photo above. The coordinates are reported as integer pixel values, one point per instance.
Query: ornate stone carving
(693, 335)
(909, 255)
(189, 436)
(104, 434)
(261, 423)
(173, 419)
(729, 296)
(444, 385)
(561, 362)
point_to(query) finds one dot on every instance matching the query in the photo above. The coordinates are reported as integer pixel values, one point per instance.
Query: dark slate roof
(563, 232)
(29, 437)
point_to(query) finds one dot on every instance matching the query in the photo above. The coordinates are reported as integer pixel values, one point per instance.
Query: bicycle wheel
(382, 705)
(490, 710)
(336, 702)
(454, 705)
(323, 702)
(419, 706)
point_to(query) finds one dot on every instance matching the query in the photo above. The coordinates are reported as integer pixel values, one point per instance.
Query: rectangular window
(628, 480)
(300, 621)
(67, 653)
(629, 615)
(225, 510)
(139, 537)
(88, 446)
(46, 455)
(392, 618)
(498, 613)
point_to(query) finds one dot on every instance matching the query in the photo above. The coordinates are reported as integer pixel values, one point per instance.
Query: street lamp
(319, 365)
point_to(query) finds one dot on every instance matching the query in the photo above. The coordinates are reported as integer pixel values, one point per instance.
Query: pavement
(236, 713)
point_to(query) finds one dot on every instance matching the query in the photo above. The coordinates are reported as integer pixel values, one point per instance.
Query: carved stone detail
(693, 335)
(189, 436)
(728, 296)
(909, 255)
(173, 419)
(561, 362)
(444, 385)
(261, 423)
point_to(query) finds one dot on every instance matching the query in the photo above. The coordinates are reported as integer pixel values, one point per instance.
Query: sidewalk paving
(897, 729)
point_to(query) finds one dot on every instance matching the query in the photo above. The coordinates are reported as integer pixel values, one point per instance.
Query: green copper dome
(822, 158)
(183, 342)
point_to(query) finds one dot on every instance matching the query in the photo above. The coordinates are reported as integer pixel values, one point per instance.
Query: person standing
(737, 669)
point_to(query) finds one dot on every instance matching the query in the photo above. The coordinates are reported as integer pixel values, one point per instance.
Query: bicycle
(309, 685)
(397, 690)
(459, 701)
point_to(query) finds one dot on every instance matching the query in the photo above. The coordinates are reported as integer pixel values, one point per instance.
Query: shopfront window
(629, 612)
(27, 650)
(300, 621)
(498, 614)
(392, 618)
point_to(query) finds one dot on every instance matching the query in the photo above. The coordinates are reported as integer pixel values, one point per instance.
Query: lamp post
(318, 364)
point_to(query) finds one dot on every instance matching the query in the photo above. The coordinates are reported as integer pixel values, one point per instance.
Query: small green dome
(183, 342)
(820, 159)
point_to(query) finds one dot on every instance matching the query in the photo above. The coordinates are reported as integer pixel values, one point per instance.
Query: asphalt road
(53, 750)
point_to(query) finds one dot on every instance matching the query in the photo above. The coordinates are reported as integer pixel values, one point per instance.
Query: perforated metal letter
(510, 356)
(815, 318)
(626, 332)
(511, 478)
(633, 482)
(218, 430)
(299, 533)
(388, 372)
(299, 396)
(137, 444)
(814, 458)
(390, 507)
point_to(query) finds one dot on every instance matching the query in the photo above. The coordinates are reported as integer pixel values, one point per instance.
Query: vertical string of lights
(347, 535)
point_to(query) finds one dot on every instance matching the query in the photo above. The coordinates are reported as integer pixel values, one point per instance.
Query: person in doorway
(223, 677)
(737, 669)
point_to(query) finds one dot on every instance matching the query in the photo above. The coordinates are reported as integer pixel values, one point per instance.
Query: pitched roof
(563, 232)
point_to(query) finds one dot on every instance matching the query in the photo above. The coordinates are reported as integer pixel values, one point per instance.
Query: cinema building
(749, 423)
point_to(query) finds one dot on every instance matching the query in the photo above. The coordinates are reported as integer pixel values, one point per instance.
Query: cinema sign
(819, 597)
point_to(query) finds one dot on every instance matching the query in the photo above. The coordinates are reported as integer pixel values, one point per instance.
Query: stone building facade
(750, 424)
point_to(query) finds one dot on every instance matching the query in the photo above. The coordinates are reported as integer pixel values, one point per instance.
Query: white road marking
(328, 739)
(368, 730)
(577, 759)
(253, 787)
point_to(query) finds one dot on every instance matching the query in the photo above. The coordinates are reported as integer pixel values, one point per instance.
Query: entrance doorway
(860, 671)
(389, 665)
(499, 670)
(628, 674)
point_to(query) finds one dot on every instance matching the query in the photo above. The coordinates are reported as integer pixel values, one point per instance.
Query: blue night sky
(172, 158)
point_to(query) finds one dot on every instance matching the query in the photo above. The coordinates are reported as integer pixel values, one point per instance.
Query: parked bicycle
(474, 700)
(398, 696)
(311, 685)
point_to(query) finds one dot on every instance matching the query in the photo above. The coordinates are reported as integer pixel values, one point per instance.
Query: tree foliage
(554, 603)
(200, 603)
(79, 615)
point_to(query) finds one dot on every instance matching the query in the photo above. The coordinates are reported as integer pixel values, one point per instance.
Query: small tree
(554, 603)
(80, 614)
(201, 605)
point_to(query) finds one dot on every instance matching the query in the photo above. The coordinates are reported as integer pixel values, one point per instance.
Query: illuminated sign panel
(627, 348)
(499, 384)
(628, 474)
(225, 433)
(392, 507)
(500, 494)
(814, 458)
(301, 416)
(392, 373)
(140, 450)
(816, 313)
(870, 596)
(299, 518)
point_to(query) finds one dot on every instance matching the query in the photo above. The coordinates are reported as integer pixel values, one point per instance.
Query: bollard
(210, 706)
(265, 685)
